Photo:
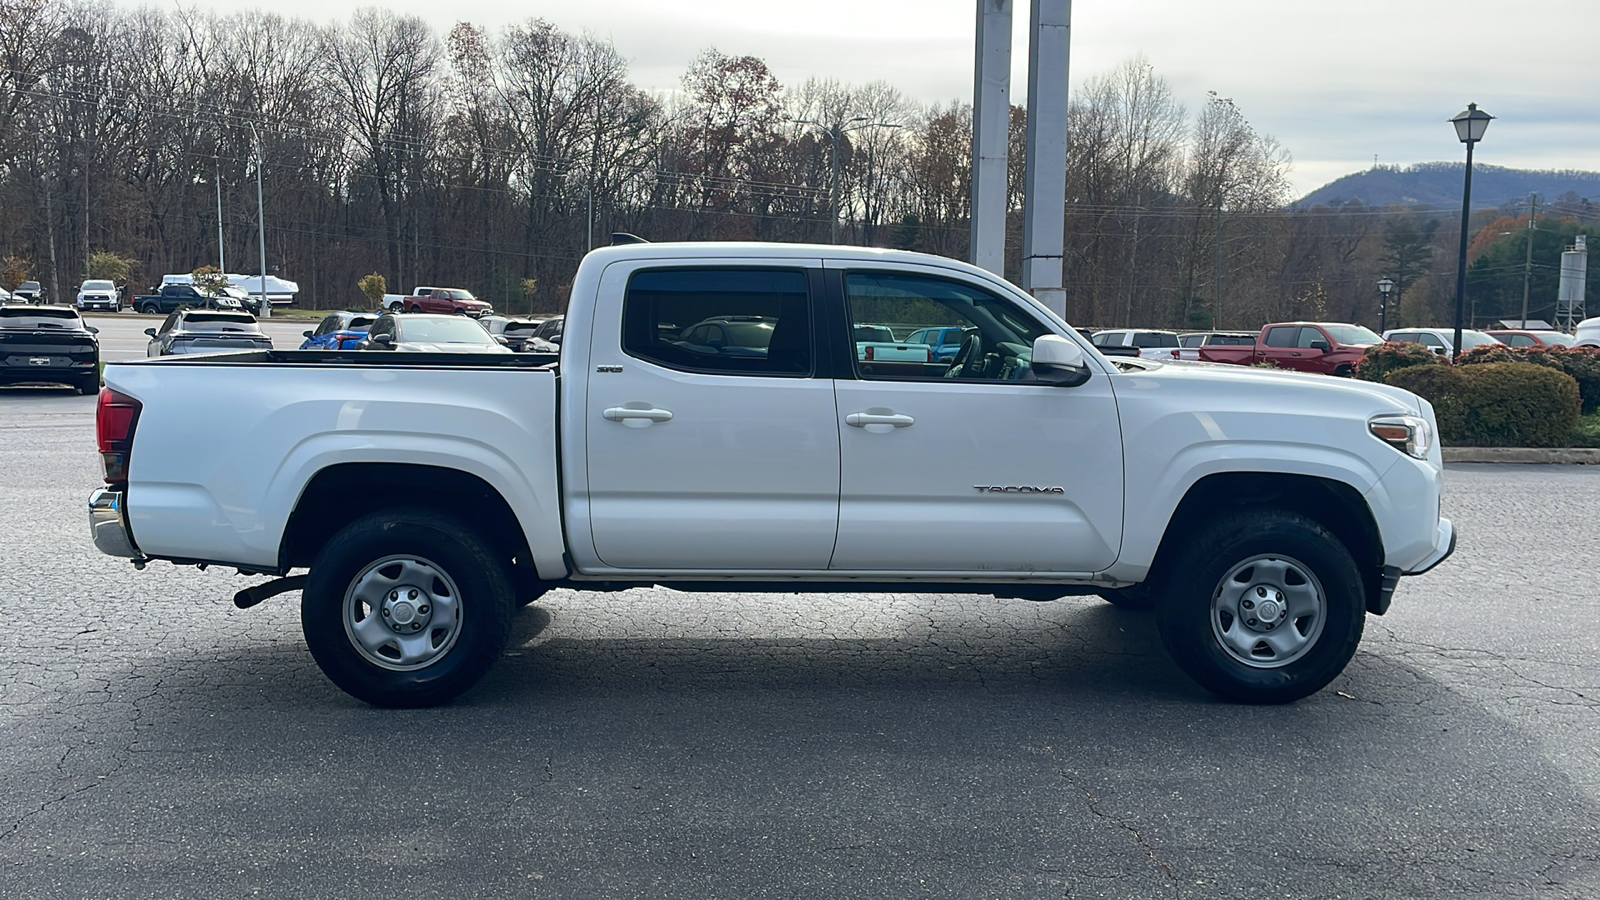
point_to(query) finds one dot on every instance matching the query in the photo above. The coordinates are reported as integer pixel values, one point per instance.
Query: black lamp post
(1384, 287)
(1470, 124)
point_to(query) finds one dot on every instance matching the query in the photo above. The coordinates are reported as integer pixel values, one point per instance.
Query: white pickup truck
(1262, 514)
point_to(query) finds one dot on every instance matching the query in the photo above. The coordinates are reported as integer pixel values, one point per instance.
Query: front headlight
(1410, 435)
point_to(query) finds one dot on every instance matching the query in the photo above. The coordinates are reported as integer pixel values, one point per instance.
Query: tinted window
(995, 336)
(1283, 336)
(1309, 336)
(753, 320)
(1154, 339)
(1232, 340)
(1109, 338)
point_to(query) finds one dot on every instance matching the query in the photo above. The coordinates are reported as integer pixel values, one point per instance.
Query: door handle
(638, 416)
(878, 417)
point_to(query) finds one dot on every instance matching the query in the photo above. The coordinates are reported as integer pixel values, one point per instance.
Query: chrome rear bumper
(109, 527)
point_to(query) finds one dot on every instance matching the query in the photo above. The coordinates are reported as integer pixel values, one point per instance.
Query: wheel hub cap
(1268, 611)
(407, 610)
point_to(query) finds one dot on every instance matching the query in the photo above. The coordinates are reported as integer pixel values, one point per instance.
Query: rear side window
(1154, 339)
(1282, 337)
(731, 321)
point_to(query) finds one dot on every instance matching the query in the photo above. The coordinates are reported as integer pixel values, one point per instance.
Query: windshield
(1352, 334)
(444, 330)
(98, 286)
(456, 294)
(1470, 339)
(1556, 338)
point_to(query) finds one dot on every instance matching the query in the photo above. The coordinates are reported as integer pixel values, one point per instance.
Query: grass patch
(1587, 432)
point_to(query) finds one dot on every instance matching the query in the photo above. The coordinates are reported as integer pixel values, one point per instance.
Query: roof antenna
(618, 238)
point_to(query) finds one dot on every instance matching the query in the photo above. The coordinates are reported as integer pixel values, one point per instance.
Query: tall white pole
(222, 259)
(1045, 198)
(261, 226)
(991, 126)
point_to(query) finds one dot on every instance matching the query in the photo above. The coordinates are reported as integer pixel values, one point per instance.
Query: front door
(970, 465)
(711, 443)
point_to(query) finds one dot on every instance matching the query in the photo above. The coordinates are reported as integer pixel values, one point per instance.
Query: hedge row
(1497, 404)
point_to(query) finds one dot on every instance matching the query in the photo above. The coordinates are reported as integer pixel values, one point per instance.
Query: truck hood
(1283, 385)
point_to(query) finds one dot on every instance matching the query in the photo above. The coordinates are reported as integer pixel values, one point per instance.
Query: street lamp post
(1385, 285)
(1470, 124)
(834, 133)
(261, 226)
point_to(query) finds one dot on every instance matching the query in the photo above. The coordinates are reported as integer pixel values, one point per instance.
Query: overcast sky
(1335, 83)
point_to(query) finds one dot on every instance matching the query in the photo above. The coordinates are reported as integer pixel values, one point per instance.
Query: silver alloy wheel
(1268, 611)
(402, 613)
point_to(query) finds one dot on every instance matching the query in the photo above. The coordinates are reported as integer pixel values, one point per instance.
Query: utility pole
(222, 259)
(1527, 261)
(1216, 270)
(261, 224)
(834, 132)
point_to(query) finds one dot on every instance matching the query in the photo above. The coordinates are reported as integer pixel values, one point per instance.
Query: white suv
(1151, 344)
(1440, 340)
(1588, 332)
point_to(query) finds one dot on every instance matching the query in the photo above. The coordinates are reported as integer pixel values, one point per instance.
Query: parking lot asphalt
(160, 742)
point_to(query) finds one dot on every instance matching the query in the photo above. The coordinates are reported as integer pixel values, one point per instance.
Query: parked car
(429, 333)
(728, 335)
(1265, 514)
(99, 293)
(1440, 340)
(1152, 344)
(944, 342)
(29, 292)
(457, 301)
(206, 331)
(1326, 348)
(48, 344)
(518, 334)
(1189, 344)
(175, 296)
(550, 329)
(1587, 333)
(1530, 338)
(339, 331)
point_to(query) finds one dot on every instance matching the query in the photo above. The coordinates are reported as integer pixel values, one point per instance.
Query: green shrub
(1391, 356)
(1582, 363)
(1505, 404)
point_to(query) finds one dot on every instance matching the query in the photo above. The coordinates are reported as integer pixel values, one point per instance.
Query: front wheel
(406, 608)
(1267, 607)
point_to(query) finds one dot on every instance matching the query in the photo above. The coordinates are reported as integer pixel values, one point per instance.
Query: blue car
(944, 341)
(339, 331)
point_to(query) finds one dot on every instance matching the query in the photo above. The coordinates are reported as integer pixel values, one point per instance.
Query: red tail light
(114, 421)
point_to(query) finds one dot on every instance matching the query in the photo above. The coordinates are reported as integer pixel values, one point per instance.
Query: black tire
(149, 309)
(1205, 639)
(1344, 371)
(89, 385)
(450, 563)
(1139, 597)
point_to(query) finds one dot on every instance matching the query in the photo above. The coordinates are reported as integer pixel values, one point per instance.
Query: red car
(1328, 348)
(446, 300)
(1533, 338)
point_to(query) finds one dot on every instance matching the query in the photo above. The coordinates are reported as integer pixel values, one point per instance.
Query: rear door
(710, 455)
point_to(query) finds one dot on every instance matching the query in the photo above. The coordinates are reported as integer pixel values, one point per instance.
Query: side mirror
(92, 329)
(383, 341)
(306, 333)
(1320, 345)
(1057, 360)
(554, 339)
(150, 331)
(501, 340)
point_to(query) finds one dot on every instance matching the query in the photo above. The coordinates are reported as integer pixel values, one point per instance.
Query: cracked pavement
(160, 742)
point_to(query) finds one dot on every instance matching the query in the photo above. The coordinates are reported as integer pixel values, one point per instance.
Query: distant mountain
(1438, 185)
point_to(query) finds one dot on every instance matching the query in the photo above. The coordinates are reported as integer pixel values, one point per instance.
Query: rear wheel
(406, 608)
(89, 385)
(149, 309)
(414, 308)
(1267, 607)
